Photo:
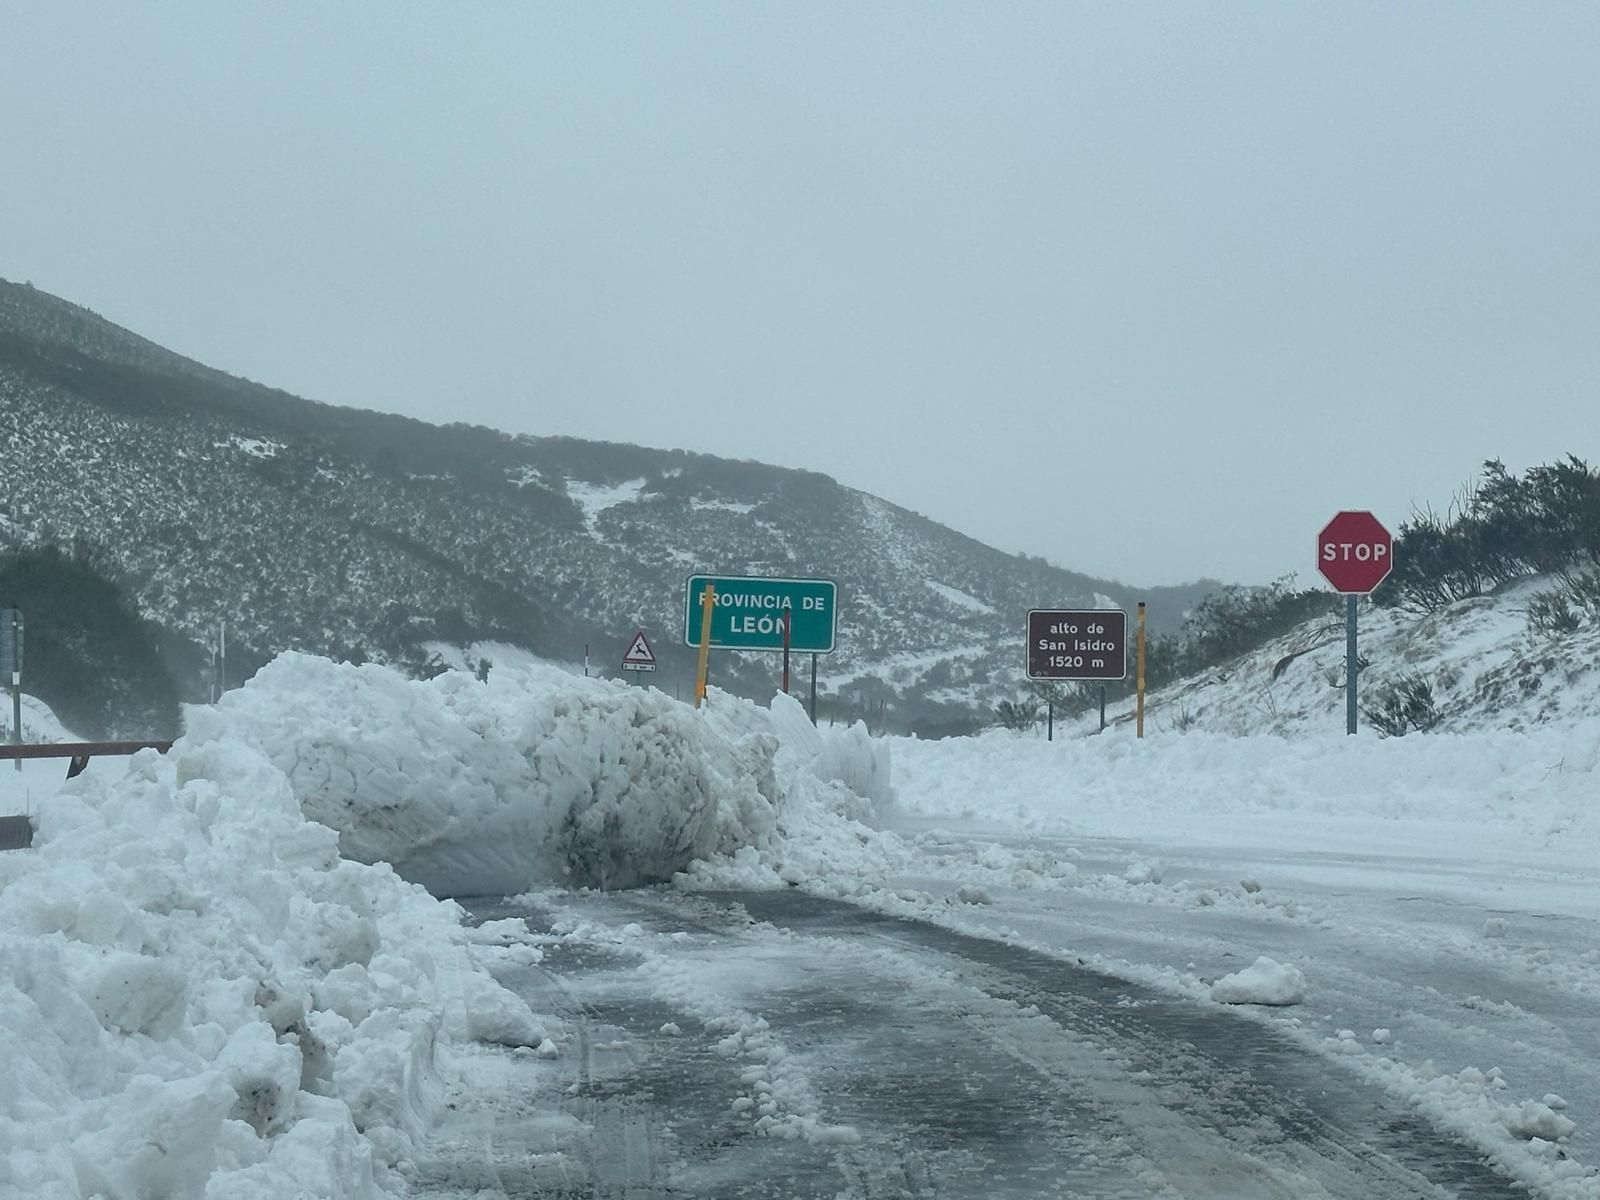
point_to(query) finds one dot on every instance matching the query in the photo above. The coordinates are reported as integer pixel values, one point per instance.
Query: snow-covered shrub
(1583, 587)
(1566, 607)
(1552, 613)
(1500, 528)
(1017, 714)
(1402, 705)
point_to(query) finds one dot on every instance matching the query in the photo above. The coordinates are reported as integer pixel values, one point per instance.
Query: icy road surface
(775, 1043)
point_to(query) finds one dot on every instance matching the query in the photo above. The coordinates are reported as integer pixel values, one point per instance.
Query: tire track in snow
(1241, 1079)
(959, 1065)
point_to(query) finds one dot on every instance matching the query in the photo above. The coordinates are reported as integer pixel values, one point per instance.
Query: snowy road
(773, 1043)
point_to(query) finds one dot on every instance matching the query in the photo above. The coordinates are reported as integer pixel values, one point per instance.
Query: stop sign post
(1355, 553)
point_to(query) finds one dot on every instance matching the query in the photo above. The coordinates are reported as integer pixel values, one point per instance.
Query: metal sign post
(1355, 553)
(813, 689)
(787, 621)
(11, 666)
(1350, 665)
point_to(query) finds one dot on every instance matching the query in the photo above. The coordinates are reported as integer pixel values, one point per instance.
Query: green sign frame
(749, 611)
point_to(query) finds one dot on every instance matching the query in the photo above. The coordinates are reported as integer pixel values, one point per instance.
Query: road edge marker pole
(708, 602)
(1138, 724)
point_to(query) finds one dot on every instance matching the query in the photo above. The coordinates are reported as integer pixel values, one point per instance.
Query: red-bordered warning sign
(639, 656)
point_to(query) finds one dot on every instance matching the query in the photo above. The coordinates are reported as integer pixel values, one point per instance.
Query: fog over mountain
(370, 536)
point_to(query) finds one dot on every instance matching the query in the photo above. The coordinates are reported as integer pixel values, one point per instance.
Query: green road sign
(749, 613)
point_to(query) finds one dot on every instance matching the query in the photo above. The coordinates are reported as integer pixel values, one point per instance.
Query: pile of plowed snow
(204, 995)
(536, 776)
(198, 992)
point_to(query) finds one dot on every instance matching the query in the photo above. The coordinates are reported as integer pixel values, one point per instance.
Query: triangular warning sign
(639, 656)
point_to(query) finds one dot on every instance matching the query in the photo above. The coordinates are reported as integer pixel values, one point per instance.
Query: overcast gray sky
(1149, 289)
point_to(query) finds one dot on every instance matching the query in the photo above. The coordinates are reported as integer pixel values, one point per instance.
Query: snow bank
(1485, 668)
(534, 776)
(1512, 788)
(201, 997)
(851, 767)
(39, 722)
(537, 776)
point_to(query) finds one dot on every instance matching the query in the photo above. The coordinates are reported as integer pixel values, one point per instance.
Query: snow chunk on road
(1265, 981)
(1145, 871)
(498, 1016)
(1536, 1120)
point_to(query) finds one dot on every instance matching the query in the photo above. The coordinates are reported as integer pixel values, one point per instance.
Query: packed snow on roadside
(209, 995)
(201, 997)
(536, 776)
(39, 724)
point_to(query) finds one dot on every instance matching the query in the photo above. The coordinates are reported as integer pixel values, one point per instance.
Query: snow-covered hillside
(361, 535)
(1486, 669)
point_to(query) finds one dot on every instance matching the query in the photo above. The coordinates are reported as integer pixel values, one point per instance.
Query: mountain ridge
(371, 535)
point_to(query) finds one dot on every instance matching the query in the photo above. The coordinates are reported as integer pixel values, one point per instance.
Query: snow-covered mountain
(1475, 665)
(358, 534)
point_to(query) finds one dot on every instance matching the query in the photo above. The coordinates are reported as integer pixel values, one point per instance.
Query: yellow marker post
(708, 602)
(1138, 720)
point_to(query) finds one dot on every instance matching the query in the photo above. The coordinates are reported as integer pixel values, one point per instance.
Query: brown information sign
(1077, 643)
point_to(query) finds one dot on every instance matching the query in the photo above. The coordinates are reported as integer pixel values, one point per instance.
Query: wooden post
(1138, 721)
(708, 602)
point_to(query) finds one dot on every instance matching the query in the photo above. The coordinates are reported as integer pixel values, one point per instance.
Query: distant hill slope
(354, 533)
(1483, 667)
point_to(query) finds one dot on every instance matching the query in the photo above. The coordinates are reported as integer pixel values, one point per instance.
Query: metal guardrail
(79, 752)
(16, 833)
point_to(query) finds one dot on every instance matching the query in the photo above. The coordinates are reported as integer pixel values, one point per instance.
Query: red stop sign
(1354, 552)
